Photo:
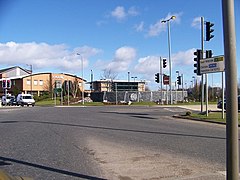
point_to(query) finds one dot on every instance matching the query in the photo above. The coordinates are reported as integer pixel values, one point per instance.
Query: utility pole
(231, 89)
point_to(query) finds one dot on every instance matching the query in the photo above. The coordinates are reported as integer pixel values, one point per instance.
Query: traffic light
(198, 54)
(9, 84)
(4, 85)
(179, 82)
(164, 63)
(209, 30)
(208, 53)
(157, 77)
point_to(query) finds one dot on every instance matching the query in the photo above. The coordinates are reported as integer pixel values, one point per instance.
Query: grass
(212, 116)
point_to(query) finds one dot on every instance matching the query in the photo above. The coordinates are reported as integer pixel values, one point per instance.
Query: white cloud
(158, 27)
(183, 57)
(132, 11)
(181, 61)
(196, 23)
(122, 59)
(120, 13)
(139, 27)
(45, 56)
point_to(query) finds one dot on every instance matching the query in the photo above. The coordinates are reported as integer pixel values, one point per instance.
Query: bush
(188, 113)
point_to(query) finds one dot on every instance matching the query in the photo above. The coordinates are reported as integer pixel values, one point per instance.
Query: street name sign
(212, 65)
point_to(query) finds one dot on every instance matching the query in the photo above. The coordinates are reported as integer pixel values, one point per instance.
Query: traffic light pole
(161, 78)
(202, 44)
(231, 89)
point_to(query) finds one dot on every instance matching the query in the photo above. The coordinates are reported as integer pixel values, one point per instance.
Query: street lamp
(134, 77)
(31, 69)
(169, 54)
(82, 79)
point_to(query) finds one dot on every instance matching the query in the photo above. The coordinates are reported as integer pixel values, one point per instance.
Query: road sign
(165, 79)
(212, 65)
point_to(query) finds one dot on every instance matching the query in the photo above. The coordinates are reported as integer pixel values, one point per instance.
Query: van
(25, 99)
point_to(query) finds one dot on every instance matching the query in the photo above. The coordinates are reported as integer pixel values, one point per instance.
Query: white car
(25, 99)
(6, 100)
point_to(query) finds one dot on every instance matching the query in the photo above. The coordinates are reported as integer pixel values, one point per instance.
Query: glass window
(35, 82)
(40, 82)
(28, 81)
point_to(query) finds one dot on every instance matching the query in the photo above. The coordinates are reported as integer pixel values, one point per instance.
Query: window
(40, 82)
(28, 81)
(35, 82)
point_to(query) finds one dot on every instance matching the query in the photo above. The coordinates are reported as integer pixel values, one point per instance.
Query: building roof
(14, 67)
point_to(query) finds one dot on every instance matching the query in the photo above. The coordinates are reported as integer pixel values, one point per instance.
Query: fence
(134, 96)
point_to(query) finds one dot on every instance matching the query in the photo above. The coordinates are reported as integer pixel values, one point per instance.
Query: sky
(119, 36)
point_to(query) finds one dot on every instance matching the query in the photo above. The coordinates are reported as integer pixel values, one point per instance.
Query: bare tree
(108, 74)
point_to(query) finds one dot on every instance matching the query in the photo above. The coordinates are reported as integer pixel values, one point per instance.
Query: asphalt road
(52, 142)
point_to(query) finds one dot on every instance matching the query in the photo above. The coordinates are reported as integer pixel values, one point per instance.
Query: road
(123, 142)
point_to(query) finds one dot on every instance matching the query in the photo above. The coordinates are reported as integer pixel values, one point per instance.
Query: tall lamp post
(31, 69)
(82, 79)
(134, 77)
(169, 54)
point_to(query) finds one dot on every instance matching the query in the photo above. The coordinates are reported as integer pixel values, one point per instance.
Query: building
(38, 83)
(107, 85)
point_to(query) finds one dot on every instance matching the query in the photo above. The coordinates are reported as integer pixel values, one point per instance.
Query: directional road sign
(212, 65)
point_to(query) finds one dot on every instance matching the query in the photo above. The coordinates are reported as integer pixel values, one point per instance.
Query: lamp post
(82, 79)
(31, 69)
(134, 77)
(169, 54)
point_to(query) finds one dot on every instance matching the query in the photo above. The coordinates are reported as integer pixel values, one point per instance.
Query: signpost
(165, 79)
(212, 65)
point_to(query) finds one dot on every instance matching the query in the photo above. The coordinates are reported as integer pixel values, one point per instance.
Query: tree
(108, 74)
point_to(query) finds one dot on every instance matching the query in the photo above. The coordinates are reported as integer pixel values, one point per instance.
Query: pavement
(211, 107)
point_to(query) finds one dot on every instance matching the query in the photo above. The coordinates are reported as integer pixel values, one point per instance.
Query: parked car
(6, 100)
(13, 101)
(219, 104)
(25, 99)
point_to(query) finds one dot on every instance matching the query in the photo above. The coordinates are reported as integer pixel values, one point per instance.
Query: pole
(82, 84)
(116, 93)
(182, 90)
(223, 95)
(68, 91)
(231, 89)
(161, 77)
(31, 79)
(206, 95)
(202, 44)
(170, 62)
(91, 80)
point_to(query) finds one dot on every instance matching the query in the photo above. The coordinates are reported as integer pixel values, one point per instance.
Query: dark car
(13, 101)
(219, 104)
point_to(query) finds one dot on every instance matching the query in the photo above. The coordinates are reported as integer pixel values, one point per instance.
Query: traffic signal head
(199, 55)
(9, 84)
(209, 30)
(179, 82)
(4, 84)
(157, 77)
(164, 63)
(208, 53)
(113, 86)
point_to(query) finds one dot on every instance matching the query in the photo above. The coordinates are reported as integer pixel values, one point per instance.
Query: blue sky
(121, 36)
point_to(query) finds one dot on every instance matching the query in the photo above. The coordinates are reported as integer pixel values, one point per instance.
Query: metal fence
(134, 96)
